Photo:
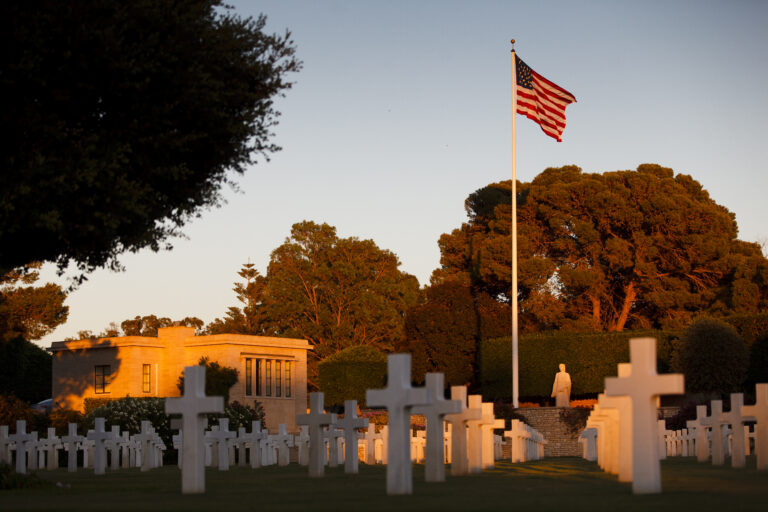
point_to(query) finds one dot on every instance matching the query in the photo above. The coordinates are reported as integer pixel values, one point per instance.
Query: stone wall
(561, 442)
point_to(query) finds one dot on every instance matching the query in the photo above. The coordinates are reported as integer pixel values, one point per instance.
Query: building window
(257, 367)
(288, 379)
(248, 377)
(146, 378)
(101, 379)
(268, 375)
(278, 380)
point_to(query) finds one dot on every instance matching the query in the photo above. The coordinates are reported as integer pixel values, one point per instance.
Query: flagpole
(515, 382)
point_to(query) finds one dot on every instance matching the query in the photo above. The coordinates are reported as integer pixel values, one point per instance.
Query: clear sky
(403, 109)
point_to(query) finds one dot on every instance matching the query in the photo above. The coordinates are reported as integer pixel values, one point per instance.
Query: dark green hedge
(346, 375)
(588, 357)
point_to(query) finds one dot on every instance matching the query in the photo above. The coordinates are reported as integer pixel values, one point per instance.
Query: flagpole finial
(512, 42)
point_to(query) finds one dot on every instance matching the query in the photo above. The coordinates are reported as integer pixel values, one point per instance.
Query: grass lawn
(562, 484)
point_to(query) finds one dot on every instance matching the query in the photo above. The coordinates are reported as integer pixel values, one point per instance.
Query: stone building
(272, 371)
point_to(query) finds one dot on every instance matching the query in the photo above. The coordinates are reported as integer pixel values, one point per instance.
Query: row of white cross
(98, 446)
(626, 439)
(622, 431)
(470, 452)
(318, 443)
(719, 434)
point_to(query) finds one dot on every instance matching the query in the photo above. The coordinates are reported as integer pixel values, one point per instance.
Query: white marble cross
(146, 438)
(475, 435)
(21, 438)
(458, 422)
(31, 448)
(302, 443)
(643, 387)
(98, 435)
(399, 398)
(242, 446)
(623, 404)
(434, 470)
(113, 445)
(315, 419)
(370, 444)
(736, 420)
(702, 442)
(515, 433)
(221, 437)
(715, 423)
(50, 445)
(71, 442)
(5, 445)
(284, 442)
(588, 438)
(486, 435)
(192, 406)
(760, 412)
(253, 441)
(351, 423)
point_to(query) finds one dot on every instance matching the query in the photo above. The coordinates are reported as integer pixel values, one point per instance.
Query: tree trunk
(630, 295)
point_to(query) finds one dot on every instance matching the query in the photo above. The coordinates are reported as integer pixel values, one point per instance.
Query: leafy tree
(335, 292)
(636, 249)
(218, 379)
(139, 326)
(29, 312)
(122, 121)
(713, 357)
(443, 333)
(243, 320)
(148, 325)
(25, 370)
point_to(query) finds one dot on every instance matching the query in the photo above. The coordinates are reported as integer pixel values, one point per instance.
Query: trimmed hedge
(588, 357)
(346, 374)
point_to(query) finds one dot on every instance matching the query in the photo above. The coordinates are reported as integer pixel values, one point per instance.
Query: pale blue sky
(403, 109)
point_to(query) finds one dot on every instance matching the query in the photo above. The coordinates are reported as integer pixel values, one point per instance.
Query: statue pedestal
(560, 426)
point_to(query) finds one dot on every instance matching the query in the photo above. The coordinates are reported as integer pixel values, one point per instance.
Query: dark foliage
(347, 374)
(122, 120)
(443, 332)
(25, 370)
(713, 357)
(218, 379)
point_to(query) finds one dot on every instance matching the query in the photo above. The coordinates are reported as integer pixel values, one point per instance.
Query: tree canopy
(639, 249)
(146, 325)
(29, 312)
(334, 292)
(123, 120)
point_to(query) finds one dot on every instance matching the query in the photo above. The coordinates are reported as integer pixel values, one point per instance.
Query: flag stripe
(541, 100)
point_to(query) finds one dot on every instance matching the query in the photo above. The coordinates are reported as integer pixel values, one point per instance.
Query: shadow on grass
(550, 484)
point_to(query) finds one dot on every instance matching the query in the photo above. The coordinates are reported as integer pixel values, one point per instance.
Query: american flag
(541, 100)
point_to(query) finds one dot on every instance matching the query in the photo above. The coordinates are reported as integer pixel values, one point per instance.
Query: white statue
(561, 389)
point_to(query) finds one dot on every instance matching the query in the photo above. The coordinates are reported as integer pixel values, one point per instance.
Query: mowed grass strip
(551, 484)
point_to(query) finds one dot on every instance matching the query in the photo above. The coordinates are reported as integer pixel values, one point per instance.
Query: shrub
(10, 479)
(129, 412)
(13, 409)
(61, 418)
(589, 358)
(758, 361)
(712, 356)
(218, 379)
(347, 374)
(241, 415)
